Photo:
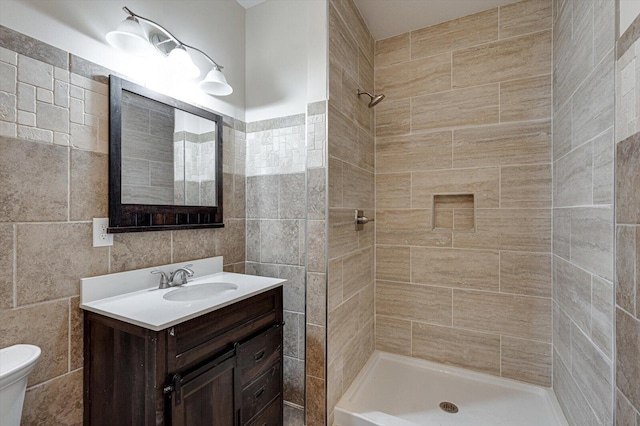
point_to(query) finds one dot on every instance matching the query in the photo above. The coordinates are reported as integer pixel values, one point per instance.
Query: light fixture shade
(216, 84)
(130, 37)
(181, 63)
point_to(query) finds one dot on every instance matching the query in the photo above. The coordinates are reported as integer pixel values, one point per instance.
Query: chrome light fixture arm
(170, 37)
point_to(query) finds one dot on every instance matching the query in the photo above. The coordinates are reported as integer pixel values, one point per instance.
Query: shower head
(375, 99)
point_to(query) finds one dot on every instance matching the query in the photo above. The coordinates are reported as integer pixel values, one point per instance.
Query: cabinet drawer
(258, 394)
(257, 354)
(191, 342)
(271, 416)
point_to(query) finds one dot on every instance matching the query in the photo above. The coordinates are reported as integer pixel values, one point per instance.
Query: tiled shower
(503, 120)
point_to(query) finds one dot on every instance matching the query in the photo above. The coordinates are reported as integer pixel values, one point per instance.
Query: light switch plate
(100, 236)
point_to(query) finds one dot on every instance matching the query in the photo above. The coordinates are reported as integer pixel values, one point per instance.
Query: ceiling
(249, 3)
(386, 18)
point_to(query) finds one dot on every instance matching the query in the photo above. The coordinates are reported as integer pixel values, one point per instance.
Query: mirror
(165, 162)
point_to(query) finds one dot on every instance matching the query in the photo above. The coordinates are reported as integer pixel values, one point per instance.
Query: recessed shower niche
(453, 213)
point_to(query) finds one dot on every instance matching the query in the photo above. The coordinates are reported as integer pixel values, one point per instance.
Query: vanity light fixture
(131, 37)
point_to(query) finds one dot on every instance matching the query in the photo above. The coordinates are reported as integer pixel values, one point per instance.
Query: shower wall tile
(343, 137)
(393, 335)
(342, 234)
(484, 183)
(409, 227)
(573, 403)
(393, 118)
(505, 314)
(393, 50)
(343, 48)
(502, 145)
(393, 190)
(518, 57)
(415, 78)
(573, 176)
(467, 269)
(393, 263)
(527, 99)
(562, 334)
(455, 35)
(462, 348)
(526, 360)
(357, 272)
(524, 17)
(627, 368)
(528, 274)
(562, 131)
(525, 186)
(489, 135)
(464, 107)
(562, 233)
(592, 240)
(592, 372)
(603, 168)
(351, 160)
(349, 13)
(593, 103)
(414, 153)
(357, 187)
(416, 302)
(342, 327)
(509, 229)
(572, 291)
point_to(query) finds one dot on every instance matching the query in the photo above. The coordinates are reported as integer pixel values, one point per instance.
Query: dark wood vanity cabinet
(223, 368)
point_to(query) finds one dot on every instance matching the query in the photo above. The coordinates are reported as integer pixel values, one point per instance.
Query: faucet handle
(164, 279)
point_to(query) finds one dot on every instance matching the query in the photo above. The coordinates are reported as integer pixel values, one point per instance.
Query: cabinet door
(206, 396)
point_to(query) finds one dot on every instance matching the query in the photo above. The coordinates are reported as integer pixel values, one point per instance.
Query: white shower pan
(394, 390)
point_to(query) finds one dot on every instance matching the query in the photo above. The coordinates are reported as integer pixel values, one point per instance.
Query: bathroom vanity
(222, 365)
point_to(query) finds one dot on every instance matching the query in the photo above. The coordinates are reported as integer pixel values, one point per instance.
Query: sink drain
(449, 407)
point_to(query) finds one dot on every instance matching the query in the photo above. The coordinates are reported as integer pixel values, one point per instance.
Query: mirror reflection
(168, 155)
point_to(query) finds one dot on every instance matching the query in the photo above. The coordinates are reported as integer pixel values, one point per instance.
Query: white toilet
(16, 362)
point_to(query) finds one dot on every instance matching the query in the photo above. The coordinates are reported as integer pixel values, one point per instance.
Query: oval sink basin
(199, 292)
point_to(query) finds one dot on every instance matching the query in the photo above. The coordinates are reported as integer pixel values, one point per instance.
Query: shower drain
(449, 407)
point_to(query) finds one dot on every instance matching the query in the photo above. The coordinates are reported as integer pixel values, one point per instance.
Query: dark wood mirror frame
(148, 217)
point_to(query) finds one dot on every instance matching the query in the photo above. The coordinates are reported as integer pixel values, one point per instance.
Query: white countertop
(147, 307)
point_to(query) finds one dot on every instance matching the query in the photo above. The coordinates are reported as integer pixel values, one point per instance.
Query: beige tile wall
(627, 283)
(351, 186)
(468, 110)
(583, 149)
(53, 145)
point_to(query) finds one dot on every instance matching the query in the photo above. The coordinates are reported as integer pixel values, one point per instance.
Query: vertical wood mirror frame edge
(153, 217)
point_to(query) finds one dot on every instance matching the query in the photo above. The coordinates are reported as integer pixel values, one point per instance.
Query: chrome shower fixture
(375, 99)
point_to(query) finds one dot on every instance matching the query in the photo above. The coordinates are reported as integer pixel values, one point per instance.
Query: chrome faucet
(185, 272)
(169, 281)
